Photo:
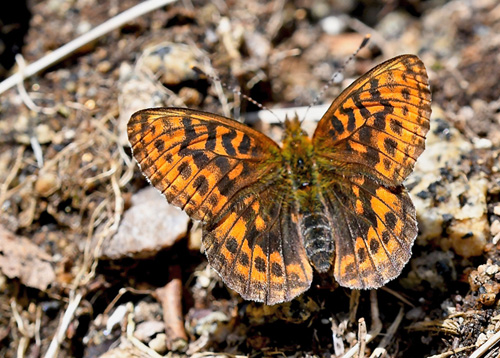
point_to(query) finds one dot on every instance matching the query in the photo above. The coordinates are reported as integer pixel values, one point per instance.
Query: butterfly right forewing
(366, 145)
(377, 126)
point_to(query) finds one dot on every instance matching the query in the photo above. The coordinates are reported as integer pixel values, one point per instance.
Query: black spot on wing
(276, 269)
(405, 93)
(184, 169)
(396, 125)
(390, 146)
(390, 220)
(232, 245)
(201, 185)
(160, 145)
(212, 135)
(337, 125)
(189, 133)
(199, 158)
(244, 146)
(362, 254)
(244, 259)
(260, 264)
(374, 246)
(379, 121)
(227, 144)
(223, 164)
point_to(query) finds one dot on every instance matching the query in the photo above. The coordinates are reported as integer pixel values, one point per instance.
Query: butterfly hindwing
(374, 232)
(257, 248)
(377, 126)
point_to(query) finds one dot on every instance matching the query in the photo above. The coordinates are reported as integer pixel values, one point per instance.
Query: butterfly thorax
(299, 161)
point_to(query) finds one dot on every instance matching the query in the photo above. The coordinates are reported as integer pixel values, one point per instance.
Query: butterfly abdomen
(318, 241)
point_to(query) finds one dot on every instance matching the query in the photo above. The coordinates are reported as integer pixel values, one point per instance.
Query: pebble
(333, 25)
(145, 330)
(172, 62)
(454, 204)
(47, 184)
(159, 343)
(149, 225)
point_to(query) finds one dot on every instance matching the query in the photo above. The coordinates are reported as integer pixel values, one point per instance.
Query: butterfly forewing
(377, 126)
(198, 160)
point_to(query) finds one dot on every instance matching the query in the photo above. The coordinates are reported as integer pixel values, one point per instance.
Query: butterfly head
(297, 151)
(293, 130)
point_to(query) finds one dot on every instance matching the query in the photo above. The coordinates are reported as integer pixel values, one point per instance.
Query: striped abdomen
(318, 240)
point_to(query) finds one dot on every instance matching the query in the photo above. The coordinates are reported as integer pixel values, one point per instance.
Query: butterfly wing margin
(199, 160)
(377, 126)
(257, 248)
(374, 232)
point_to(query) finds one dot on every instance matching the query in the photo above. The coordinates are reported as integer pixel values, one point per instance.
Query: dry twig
(486, 346)
(170, 297)
(361, 337)
(380, 350)
(452, 352)
(375, 328)
(62, 52)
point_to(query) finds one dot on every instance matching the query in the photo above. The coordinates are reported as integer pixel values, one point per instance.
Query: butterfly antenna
(233, 89)
(340, 70)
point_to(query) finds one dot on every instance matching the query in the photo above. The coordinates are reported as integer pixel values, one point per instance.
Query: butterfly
(333, 202)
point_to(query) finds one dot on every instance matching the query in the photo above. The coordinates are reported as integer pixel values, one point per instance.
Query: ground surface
(84, 269)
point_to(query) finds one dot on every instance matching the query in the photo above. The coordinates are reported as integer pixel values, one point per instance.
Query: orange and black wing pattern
(374, 230)
(226, 174)
(366, 145)
(377, 126)
(257, 247)
(198, 160)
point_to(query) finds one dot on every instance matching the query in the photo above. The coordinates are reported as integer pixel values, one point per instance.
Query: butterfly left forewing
(198, 160)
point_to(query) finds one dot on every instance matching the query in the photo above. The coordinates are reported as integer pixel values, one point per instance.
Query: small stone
(47, 184)
(44, 134)
(190, 96)
(491, 270)
(172, 62)
(145, 330)
(333, 25)
(159, 343)
(104, 66)
(416, 313)
(482, 143)
(149, 225)
(482, 338)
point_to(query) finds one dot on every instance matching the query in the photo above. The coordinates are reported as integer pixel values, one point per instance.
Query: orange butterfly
(271, 213)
